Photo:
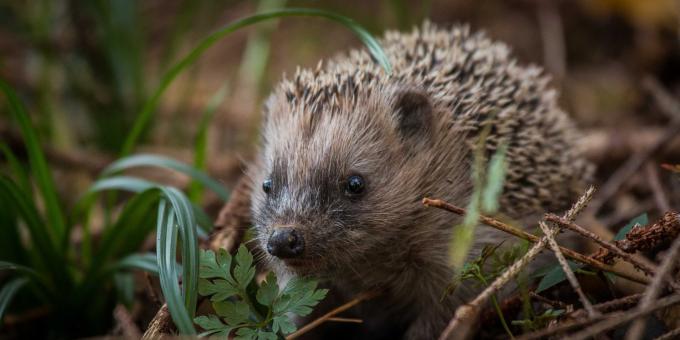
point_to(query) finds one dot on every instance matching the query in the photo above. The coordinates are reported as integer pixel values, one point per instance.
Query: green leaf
(282, 324)
(145, 262)
(18, 170)
(169, 163)
(7, 293)
(39, 168)
(47, 258)
(174, 212)
(555, 276)
(268, 291)
(301, 295)
(124, 183)
(244, 271)
(234, 313)
(210, 322)
(264, 335)
(494, 182)
(641, 220)
(215, 267)
(245, 333)
(219, 289)
(147, 112)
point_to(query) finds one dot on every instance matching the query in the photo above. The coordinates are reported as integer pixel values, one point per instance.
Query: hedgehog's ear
(414, 114)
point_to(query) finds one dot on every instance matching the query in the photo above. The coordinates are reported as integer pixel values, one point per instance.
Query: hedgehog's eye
(355, 185)
(267, 185)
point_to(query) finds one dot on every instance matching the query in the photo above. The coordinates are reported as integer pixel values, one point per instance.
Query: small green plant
(539, 321)
(490, 264)
(245, 309)
(78, 286)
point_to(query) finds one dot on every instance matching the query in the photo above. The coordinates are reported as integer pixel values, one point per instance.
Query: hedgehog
(349, 151)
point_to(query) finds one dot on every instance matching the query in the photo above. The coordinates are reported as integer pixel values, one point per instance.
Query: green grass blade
(41, 172)
(11, 246)
(17, 170)
(131, 229)
(124, 183)
(16, 200)
(147, 112)
(166, 250)
(7, 293)
(201, 141)
(145, 262)
(165, 162)
(494, 182)
(186, 222)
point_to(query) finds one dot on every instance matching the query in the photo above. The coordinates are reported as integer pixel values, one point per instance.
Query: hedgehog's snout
(286, 243)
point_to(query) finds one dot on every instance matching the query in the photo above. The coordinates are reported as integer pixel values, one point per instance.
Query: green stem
(497, 307)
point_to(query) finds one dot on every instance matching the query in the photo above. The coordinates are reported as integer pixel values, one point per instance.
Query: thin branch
(554, 303)
(610, 306)
(670, 335)
(550, 235)
(347, 320)
(635, 331)
(660, 198)
(552, 37)
(604, 307)
(466, 315)
(535, 239)
(358, 299)
(671, 108)
(645, 267)
(126, 323)
(616, 319)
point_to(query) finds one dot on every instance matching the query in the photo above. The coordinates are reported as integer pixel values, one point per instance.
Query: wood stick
(533, 238)
(358, 299)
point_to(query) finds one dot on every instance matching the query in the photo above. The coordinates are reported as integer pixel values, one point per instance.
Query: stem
(496, 306)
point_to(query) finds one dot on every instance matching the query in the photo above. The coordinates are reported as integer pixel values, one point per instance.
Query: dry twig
(466, 315)
(635, 331)
(358, 299)
(647, 268)
(670, 335)
(126, 323)
(672, 109)
(535, 239)
(550, 235)
(615, 319)
(660, 198)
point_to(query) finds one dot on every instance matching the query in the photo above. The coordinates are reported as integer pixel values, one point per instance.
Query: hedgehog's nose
(285, 243)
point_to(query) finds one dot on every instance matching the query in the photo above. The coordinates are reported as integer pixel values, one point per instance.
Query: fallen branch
(645, 267)
(651, 293)
(668, 106)
(326, 317)
(652, 237)
(616, 319)
(535, 239)
(466, 315)
(571, 277)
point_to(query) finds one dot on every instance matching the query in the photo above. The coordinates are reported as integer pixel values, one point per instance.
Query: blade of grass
(17, 170)
(165, 162)
(11, 247)
(201, 141)
(145, 262)
(166, 248)
(186, 223)
(46, 257)
(147, 112)
(41, 172)
(7, 293)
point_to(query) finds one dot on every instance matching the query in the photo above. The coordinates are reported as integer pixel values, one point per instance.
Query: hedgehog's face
(332, 186)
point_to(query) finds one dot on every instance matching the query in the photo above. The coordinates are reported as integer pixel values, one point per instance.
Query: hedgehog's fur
(410, 134)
